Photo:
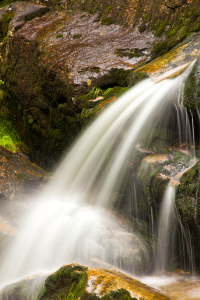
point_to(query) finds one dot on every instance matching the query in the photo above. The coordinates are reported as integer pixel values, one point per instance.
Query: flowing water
(72, 220)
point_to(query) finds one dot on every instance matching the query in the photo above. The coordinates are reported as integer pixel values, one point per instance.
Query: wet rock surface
(128, 244)
(17, 173)
(82, 282)
(188, 206)
(184, 53)
(18, 179)
(50, 60)
(80, 47)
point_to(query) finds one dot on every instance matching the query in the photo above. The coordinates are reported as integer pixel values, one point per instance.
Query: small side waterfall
(166, 226)
(71, 220)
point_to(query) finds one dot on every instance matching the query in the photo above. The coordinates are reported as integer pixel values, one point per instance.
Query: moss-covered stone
(188, 205)
(70, 282)
(134, 78)
(107, 21)
(67, 283)
(73, 282)
(6, 2)
(4, 24)
(191, 98)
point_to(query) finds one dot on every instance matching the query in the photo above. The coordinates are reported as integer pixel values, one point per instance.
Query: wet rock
(156, 170)
(128, 244)
(185, 53)
(192, 89)
(52, 59)
(19, 178)
(188, 195)
(83, 283)
(24, 12)
(174, 3)
(17, 173)
(27, 288)
(80, 57)
(188, 206)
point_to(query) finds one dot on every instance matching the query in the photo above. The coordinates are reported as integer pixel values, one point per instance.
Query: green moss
(83, 16)
(58, 36)
(146, 17)
(142, 28)
(188, 206)
(9, 137)
(115, 77)
(153, 23)
(23, 177)
(136, 77)
(77, 36)
(108, 10)
(97, 91)
(160, 29)
(95, 9)
(7, 17)
(159, 49)
(6, 2)
(90, 69)
(191, 98)
(107, 21)
(130, 53)
(69, 283)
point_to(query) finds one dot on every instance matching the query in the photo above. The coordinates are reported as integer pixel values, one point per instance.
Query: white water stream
(69, 221)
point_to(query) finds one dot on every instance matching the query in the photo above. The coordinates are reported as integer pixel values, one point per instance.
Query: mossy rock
(191, 99)
(74, 282)
(188, 206)
(134, 78)
(5, 20)
(107, 21)
(70, 282)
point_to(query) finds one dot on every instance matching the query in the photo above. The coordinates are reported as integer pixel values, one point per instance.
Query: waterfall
(71, 221)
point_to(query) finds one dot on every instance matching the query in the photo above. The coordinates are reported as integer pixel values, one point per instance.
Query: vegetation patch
(142, 27)
(77, 36)
(96, 91)
(130, 53)
(58, 36)
(9, 138)
(6, 2)
(191, 98)
(69, 283)
(108, 10)
(136, 77)
(7, 17)
(107, 21)
(90, 69)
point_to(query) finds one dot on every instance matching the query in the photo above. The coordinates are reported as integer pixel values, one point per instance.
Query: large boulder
(79, 282)
(47, 61)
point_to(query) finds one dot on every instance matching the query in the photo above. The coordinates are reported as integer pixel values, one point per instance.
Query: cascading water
(70, 221)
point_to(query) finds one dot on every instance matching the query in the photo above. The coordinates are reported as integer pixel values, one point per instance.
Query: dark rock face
(48, 61)
(188, 205)
(17, 173)
(52, 59)
(174, 3)
(192, 89)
